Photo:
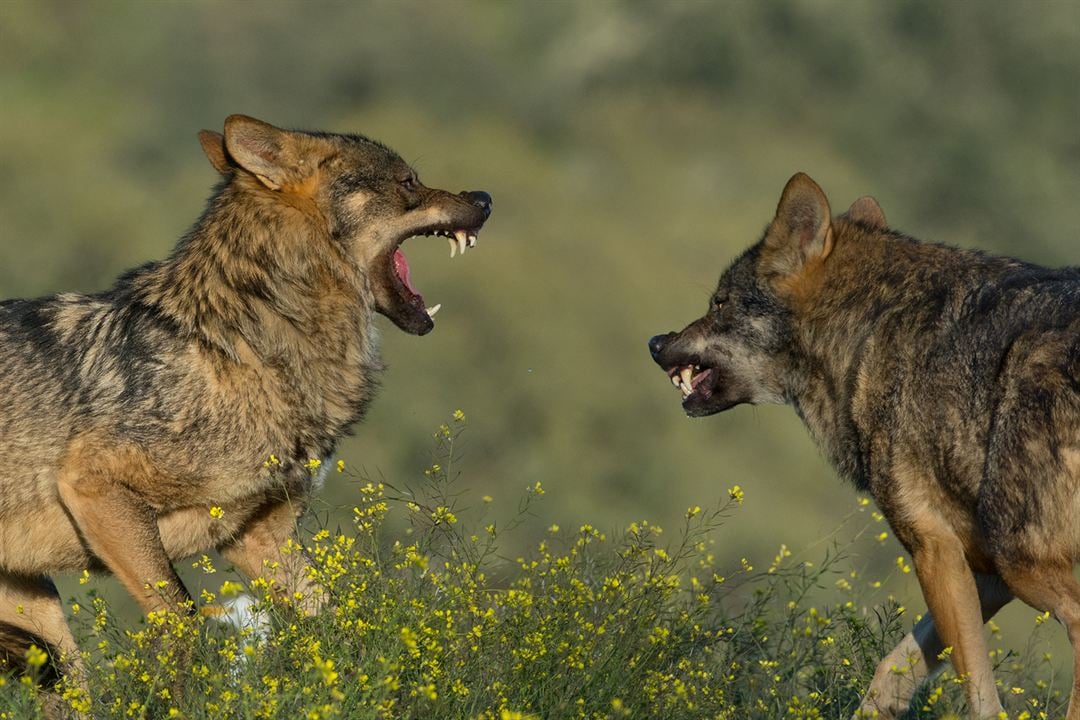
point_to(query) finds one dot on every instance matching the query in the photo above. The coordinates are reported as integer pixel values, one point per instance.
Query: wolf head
(741, 350)
(361, 193)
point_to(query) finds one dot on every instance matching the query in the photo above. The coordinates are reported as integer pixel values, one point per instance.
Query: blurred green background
(632, 149)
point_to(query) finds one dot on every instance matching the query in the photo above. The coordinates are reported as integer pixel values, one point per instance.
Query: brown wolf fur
(944, 382)
(128, 414)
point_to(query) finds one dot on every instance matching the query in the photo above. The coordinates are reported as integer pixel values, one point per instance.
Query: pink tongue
(401, 267)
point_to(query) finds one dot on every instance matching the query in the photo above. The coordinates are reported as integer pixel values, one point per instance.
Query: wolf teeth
(459, 240)
(433, 309)
(687, 376)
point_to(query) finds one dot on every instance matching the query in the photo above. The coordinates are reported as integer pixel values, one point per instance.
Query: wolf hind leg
(31, 614)
(1051, 588)
(916, 658)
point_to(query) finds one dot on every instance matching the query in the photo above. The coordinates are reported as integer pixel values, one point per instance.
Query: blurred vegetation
(632, 149)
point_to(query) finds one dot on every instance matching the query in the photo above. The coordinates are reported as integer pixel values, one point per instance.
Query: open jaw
(408, 309)
(697, 385)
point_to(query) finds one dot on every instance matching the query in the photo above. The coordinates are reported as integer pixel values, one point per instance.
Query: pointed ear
(802, 228)
(260, 148)
(866, 210)
(213, 144)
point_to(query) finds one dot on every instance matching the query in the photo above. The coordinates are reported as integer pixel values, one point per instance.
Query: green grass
(429, 620)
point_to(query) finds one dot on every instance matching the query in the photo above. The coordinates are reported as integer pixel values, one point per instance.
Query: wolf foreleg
(266, 547)
(916, 658)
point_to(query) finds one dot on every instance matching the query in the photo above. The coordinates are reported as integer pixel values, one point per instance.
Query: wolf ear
(866, 210)
(802, 228)
(213, 144)
(260, 148)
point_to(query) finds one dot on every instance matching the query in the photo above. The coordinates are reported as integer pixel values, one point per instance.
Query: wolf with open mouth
(943, 382)
(217, 379)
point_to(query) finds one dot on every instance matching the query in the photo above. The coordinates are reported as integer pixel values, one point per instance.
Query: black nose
(480, 199)
(657, 343)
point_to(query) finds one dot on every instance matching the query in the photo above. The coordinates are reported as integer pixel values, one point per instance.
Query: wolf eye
(409, 184)
(718, 304)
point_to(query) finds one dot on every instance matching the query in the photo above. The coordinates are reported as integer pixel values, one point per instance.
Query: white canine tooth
(462, 239)
(433, 309)
(472, 241)
(687, 375)
(675, 380)
(453, 246)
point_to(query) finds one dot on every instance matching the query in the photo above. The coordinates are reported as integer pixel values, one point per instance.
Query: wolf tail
(15, 644)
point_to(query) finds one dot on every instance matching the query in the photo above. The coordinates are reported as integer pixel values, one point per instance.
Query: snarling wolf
(215, 379)
(944, 382)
